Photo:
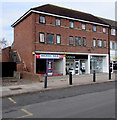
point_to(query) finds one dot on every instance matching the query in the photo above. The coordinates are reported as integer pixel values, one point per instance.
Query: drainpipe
(109, 46)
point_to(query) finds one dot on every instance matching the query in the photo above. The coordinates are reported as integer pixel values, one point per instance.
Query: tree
(3, 43)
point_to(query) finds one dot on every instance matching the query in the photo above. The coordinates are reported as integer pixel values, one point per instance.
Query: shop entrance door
(77, 66)
(50, 67)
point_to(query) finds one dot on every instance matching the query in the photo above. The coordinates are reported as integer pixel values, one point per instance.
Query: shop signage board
(49, 56)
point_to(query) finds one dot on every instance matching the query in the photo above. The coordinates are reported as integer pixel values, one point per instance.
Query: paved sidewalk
(54, 83)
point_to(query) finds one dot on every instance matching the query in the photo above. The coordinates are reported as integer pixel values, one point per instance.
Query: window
(58, 22)
(58, 39)
(104, 43)
(84, 41)
(94, 42)
(113, 45)
(104, 30)
(50, 38)
(41, 37)
(78, 41)
(99, 43)
(71, 40)
(110, 44)
(71, 24)
(94, 28)
(113, 32)
(83, 26)
(42, 19)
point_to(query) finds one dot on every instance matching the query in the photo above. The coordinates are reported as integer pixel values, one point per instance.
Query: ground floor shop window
(96, 64)
(50, 64)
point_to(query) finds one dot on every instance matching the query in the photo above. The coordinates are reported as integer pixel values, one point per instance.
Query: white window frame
(42, 19)
(104, 30)
(58, 22)
(100, 43)
(113, 32)
(41, 37)
(94, 42)
(105, 43)
(94, 28)
(58, 39)
(83, 26)
(71, 24)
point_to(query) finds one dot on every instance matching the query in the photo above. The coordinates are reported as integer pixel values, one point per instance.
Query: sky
(11, 10)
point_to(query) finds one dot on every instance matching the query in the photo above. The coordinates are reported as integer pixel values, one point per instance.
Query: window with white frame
(84, 41)
(94, 42)
(58, 22)
(71, 40)
(41, 38)
(99, 43)
(78, 41)
(58, 39)
(104, 43)
(94, 28)
(42, 19)
(104, 30)
(113, 32)
(83, 26)
(71, 23)
(111, 45)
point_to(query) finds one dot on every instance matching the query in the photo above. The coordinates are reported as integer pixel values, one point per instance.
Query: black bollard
(70, 78)
(45, 81)
(109, 74)
(94, 80)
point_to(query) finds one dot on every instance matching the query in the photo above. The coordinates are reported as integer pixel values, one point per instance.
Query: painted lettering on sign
(49, 56)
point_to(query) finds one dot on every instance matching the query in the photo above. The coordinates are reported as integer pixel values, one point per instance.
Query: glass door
(50, 67)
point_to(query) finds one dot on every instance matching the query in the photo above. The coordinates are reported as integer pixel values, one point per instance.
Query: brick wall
(65, 32)
(23, 41)
(5, 55)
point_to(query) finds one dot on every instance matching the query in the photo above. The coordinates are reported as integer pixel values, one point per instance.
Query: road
(89, 101)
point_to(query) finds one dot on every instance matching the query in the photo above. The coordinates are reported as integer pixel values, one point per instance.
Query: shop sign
(70, 57)
(49, 56)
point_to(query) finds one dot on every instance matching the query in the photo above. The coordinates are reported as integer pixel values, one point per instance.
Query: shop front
(50, 64)
(97, 63)
(77, 64)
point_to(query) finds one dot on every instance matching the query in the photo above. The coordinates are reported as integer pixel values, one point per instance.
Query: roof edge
(50, 14)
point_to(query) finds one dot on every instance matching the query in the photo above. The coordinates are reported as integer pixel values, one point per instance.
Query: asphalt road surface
(89, 101)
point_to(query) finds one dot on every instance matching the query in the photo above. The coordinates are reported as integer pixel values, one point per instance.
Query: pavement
(57, 82)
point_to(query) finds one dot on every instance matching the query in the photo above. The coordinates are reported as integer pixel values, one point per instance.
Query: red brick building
(55, 40)
(113, 42)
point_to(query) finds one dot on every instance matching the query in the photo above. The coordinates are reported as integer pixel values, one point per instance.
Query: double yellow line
(23, 110)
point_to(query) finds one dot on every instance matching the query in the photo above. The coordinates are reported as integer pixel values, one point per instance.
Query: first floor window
(58, 39)
(84, 41)
(78, 41)
(83, 26)
(99, 43)
(113, 32)
(42, 19)
(50, 38)
(104, 42)
(41, 38)
(94, 28)
(71, 40)
(94, 42)
(58, 22)
(71, 24)
(104, 30)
